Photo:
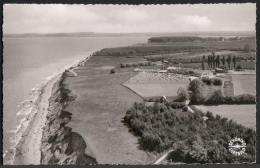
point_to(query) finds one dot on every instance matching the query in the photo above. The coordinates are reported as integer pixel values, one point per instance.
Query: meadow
(111, 90)
(242, 114)
(148, 84)
(244, 84)
(99, 108)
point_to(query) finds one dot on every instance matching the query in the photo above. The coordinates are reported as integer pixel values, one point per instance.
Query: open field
(244, 84)
(156, 84)
(104, 98)
(242, 114)
(178, 47)
(99, 108)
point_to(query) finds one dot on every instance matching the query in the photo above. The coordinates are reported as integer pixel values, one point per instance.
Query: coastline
(28, 148)
(28, 138)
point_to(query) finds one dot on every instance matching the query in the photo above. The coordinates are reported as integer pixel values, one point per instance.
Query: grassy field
(103, 98)
(156, 84)
(244, 84)
(99, 108)
(242, 114)
(177, 47)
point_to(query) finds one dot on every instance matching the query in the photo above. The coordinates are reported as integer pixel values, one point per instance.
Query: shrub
(239, 68)
(206, 80)
(196, 88)
(182, 95)
(177, 105)
(185, 109)
(216, 98)
(112, 71)
(216, 81)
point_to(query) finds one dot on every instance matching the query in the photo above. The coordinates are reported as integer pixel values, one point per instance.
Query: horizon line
(42, 33)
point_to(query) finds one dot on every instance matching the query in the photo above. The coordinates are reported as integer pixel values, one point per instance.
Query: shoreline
(28, 136)
(28, 148)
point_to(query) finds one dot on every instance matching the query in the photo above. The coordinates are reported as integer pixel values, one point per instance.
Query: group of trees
(197, 86)
(214, 61)
(193, 138)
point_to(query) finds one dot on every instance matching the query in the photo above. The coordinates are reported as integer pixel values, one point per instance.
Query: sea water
(29, 62)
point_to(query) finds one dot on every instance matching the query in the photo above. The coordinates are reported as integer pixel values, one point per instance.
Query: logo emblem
(237, 146)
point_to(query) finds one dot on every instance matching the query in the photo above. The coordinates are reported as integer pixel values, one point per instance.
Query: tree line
(215, 61)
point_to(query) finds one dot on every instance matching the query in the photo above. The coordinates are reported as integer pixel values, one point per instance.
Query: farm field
(197, 65)
(98, 110)
(244, 84)
(148, 84)
(242, 114)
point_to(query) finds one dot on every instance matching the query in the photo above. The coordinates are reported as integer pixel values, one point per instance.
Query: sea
(29, 62)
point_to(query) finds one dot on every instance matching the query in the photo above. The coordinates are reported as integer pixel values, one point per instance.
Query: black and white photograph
(110, 84)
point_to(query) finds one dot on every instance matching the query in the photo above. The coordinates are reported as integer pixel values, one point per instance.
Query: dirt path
(158, 161)
(28, 150)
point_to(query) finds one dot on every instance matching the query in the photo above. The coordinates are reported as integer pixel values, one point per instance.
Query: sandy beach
(27, 150)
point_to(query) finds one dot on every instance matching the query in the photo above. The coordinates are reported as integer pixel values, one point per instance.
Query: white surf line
(29, 147)
(73, 72)
(158, 161)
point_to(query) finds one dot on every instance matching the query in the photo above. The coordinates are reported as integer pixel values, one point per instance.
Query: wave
(28, 109)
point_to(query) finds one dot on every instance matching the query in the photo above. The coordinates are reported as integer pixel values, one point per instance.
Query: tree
(234, 61)
(217, 61)
(223, 60)
(195, 87)
(229, 61)
(202, 63)
(213, 59)
(182, 95)
(209, 61)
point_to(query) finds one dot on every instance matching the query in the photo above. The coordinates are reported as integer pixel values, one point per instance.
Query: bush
(239, 68)
(182, 95)
(177, 105)
(196, 88)
(206, 80)
(216, 81)
(216, 98)
(240, 99)
(185, 109)
(112, 71)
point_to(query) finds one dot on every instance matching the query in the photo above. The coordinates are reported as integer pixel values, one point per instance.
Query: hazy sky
(128, 18)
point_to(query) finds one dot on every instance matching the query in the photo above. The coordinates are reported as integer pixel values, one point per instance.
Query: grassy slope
(99, 108)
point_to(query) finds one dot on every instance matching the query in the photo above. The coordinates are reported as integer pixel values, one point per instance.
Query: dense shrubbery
(218, 98)
(197, 97)
(214, 81)
(239, 68)
(196, 87)
(147, 50)
(193, 139)
(184, 71)
(127, 65)
(182, 95)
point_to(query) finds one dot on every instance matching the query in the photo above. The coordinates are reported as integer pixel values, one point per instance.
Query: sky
(60, 18)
